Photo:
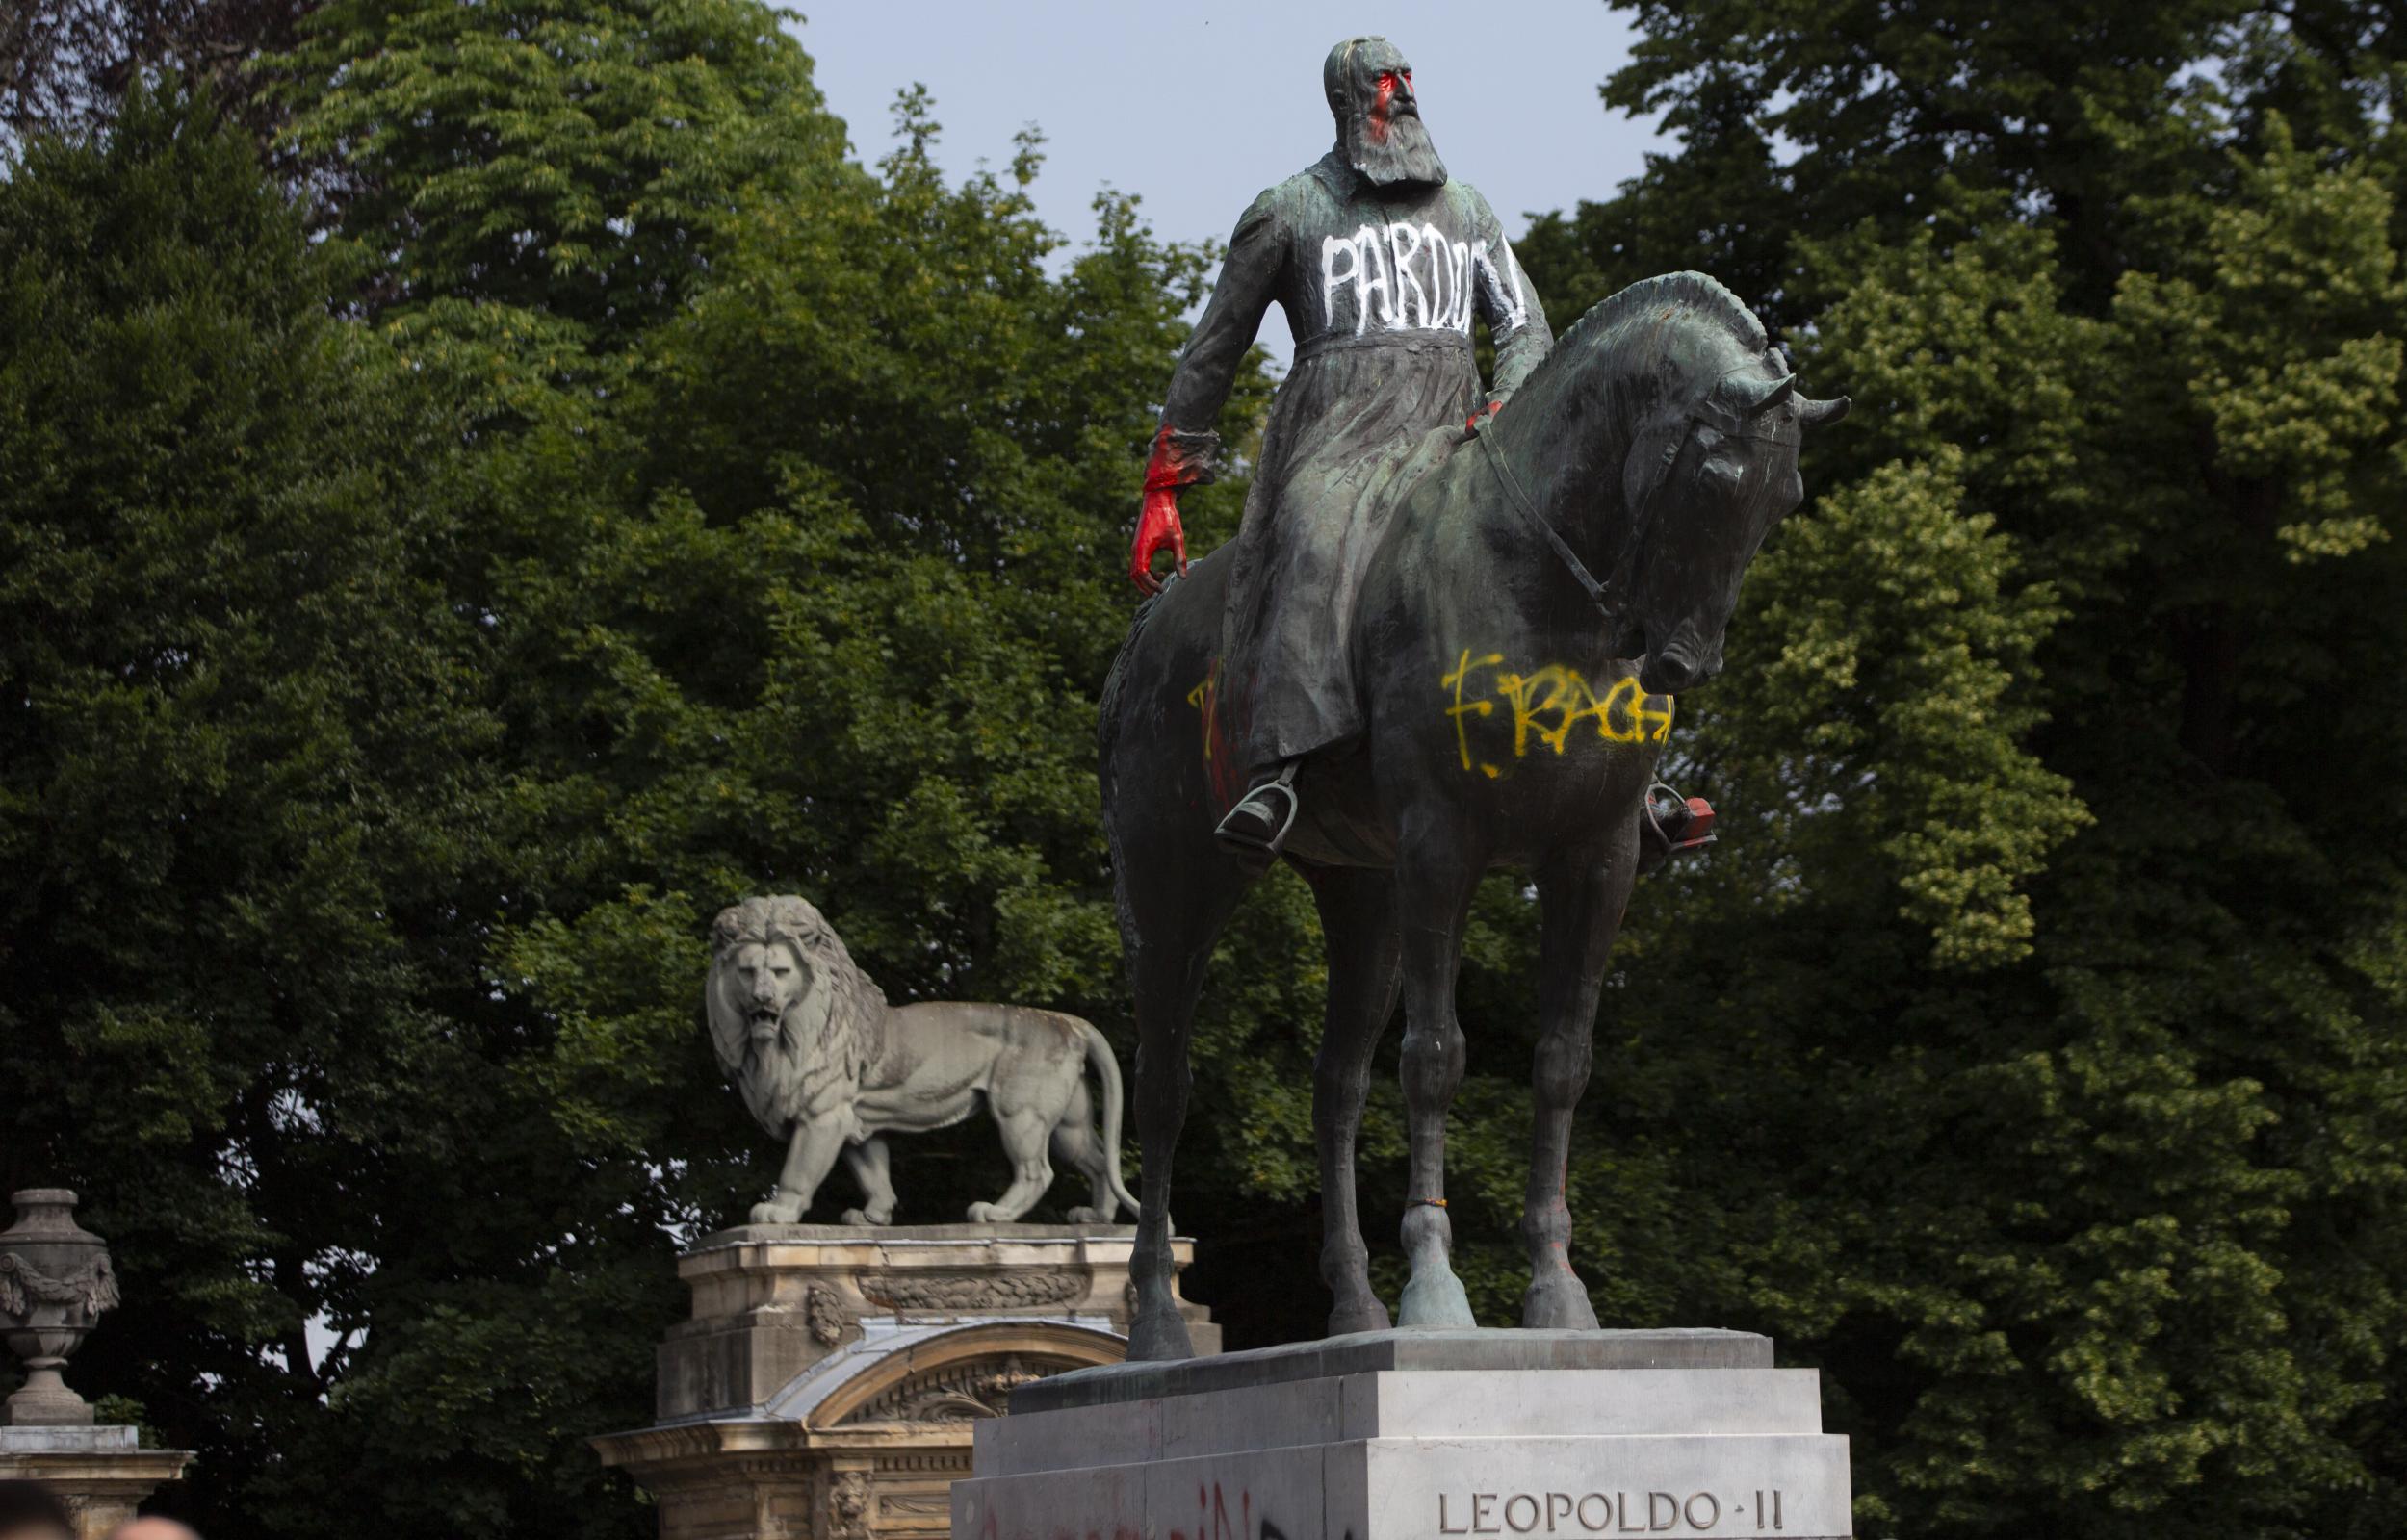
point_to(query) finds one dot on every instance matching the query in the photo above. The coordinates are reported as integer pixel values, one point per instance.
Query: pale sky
(1196, 107)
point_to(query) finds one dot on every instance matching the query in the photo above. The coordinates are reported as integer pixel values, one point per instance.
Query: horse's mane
(1628, 333)
(1701, 291)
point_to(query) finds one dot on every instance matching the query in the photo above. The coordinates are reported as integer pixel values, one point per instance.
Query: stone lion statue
(827, 1066)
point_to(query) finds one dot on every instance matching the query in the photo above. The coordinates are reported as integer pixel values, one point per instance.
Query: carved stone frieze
(823, 1312)
(974, 1290)
(918, 1506)
(849, 1506)
(958, 1392)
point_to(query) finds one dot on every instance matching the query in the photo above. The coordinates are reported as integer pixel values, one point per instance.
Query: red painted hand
(1470, 423)
(1157, 528)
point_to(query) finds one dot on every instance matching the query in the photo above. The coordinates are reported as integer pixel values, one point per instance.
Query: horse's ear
(1752, 400)
(1813, 414)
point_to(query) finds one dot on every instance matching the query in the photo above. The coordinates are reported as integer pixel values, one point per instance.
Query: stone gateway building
(829, 1380)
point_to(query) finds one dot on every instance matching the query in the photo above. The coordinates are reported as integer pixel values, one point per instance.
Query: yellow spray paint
(1548, 706)
(1201, 698)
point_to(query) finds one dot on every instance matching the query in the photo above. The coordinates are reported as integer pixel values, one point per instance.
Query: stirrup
(1243, 842)
(1671, 825)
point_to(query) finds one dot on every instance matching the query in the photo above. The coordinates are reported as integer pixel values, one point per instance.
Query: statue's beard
(1396, 151)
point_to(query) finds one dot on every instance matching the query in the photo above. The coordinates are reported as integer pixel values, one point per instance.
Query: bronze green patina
(1381, 263)
(1602, 525)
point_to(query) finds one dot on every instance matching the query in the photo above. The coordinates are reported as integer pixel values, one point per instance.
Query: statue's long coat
(1380, 285)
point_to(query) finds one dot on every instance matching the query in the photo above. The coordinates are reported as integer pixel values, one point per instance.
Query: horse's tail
(1106, 1067)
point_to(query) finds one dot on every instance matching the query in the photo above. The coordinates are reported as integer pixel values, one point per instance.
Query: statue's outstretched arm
(1186, 450)
(1511, 307)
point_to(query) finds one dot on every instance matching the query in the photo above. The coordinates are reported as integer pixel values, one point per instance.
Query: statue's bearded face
(1379, 132)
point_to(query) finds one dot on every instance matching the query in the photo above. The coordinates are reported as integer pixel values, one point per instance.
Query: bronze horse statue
(1516, 708)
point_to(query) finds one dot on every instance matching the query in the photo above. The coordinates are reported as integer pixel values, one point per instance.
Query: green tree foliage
(2029, 1053)
(414, 635)
(578, 158)
(840, 632)
(66, 64)
(630, 503)
(241, 780)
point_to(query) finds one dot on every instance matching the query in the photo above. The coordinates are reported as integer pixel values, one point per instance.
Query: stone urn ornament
(55, 1280)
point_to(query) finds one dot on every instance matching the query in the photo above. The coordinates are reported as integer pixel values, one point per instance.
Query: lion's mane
(832, 1033)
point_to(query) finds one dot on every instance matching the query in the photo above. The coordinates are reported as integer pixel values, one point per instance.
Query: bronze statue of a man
(1380, 262)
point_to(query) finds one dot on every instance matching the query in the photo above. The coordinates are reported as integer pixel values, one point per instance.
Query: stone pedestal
(1416, 1435)
(56, 1280)
(101, 1472)
(828, 1382)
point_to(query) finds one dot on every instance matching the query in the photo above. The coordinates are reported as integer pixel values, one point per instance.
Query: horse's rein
(1528, 510)
(1597, 594)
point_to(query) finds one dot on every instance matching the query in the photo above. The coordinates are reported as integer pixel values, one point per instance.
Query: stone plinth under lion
(829, 1380)
(827, 1066)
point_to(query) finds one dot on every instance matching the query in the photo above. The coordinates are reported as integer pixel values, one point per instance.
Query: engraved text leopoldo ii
(1609, 1514)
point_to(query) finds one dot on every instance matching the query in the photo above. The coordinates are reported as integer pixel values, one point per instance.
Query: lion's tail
(1106, 1067)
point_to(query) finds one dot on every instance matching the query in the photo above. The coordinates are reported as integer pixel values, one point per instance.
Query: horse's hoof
(1434, 1298)
(1159, 1337)
(1559, 1303)
(1368, 1315)
(869, 1217)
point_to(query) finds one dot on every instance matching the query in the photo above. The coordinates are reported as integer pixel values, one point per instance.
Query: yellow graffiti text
(1201, 698)
(1549, 706)
(1475, 708)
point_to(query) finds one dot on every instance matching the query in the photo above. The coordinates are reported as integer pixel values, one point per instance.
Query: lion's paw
(985, 1214)
(866, 1217)
(777, 1211)
(1083, 1214)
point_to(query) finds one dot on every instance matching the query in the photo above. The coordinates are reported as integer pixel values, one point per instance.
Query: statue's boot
(1258, 825)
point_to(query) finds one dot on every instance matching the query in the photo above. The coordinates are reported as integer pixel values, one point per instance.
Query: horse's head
(1708, 473)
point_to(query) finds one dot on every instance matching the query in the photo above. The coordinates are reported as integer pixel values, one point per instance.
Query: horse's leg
(1432, 899)
(1167, 972)
(1176, 890)
(1582, 911)
(1358, 924)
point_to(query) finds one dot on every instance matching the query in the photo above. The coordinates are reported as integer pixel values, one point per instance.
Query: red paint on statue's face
(1391, 86)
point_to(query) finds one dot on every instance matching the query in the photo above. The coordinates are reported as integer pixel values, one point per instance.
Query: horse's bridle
(1705, 414)
(1528, 510)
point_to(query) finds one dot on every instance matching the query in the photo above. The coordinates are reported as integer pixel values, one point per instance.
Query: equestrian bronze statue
(1382, 264)
(1509, 607)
